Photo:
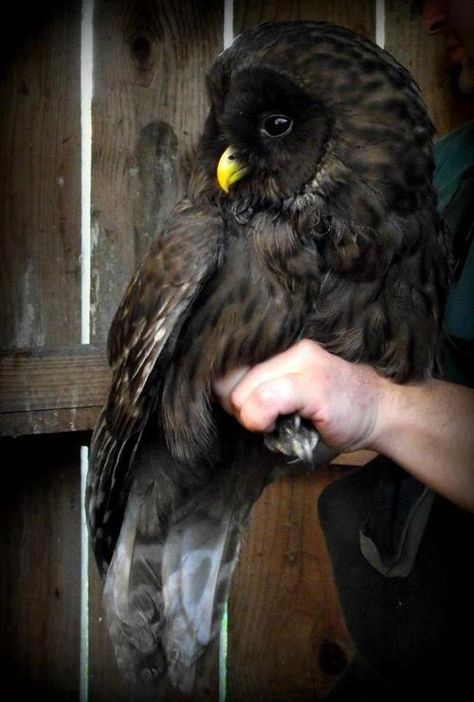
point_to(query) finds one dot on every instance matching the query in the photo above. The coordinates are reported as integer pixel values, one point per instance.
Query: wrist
(398, 414)
(389, 399)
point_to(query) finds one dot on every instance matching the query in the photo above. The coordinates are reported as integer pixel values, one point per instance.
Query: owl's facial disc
(229, 170)
(276, 132)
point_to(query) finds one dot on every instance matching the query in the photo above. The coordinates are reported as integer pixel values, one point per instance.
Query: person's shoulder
(454, 158)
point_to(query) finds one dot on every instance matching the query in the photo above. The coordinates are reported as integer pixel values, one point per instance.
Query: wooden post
(39, 291)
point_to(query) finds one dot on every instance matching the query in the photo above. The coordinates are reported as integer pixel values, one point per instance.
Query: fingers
(223, 387)
(277, 386)
(295, 360)
(259, 409)
(338, 397)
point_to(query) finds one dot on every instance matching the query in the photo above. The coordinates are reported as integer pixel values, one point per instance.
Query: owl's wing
(141, 341)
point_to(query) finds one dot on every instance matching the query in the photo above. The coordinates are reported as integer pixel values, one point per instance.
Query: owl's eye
(277, 125)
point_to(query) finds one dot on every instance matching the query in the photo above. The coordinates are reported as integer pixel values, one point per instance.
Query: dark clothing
(413, 633)
(401, 555)
(454, 178)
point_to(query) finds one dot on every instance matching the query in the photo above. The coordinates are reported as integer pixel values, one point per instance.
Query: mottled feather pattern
(140, 340)
(331, 235)
(154, 303)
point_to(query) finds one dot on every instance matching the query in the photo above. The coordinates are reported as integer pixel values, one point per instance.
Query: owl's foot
(295, 437)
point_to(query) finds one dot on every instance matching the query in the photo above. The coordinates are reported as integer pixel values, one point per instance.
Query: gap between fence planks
(52, 390)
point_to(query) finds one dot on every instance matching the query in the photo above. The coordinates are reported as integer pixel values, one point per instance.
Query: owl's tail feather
(133, 604)
(200, 555)
(133, 598)
(171, 571)
(202, 548)
(170, 575)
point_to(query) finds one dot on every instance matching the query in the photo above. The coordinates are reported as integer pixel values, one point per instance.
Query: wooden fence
(287, 639)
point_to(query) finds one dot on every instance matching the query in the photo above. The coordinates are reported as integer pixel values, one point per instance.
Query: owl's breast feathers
(255, 305)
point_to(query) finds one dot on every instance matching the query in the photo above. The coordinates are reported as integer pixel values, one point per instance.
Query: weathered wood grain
(48, 421)
(52, 390)
(288, 639)
(40, 305)
(358, 16)
(355, 458)
(105, 682)
(149, 107)
(40, 176)
(53, 378)
(40, 510)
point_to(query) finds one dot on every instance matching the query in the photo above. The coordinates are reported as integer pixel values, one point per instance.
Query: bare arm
(427, 428)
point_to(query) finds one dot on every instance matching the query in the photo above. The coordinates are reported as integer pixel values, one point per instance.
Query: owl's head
(307, 111)
(276, 134)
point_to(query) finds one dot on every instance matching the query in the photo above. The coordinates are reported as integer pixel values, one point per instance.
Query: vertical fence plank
(40, 176)
(41, 565)
(40, 304)
(358, 16)
(149, 107)
(287, 638)
(426, 57)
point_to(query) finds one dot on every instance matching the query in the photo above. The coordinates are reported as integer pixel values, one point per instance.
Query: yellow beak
(229, 170)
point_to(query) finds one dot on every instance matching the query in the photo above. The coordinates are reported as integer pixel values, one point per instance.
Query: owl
(309, 213)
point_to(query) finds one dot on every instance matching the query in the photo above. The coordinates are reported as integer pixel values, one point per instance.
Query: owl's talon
(294, 437)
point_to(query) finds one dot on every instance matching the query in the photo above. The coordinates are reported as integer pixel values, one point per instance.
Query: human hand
(342, 399)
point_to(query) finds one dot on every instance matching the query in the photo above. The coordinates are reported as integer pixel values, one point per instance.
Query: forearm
(428, 429)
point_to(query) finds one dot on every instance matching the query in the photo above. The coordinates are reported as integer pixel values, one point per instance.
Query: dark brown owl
(310, 213)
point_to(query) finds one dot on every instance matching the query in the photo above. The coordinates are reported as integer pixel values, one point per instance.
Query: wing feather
(154, 307)
(141, 341)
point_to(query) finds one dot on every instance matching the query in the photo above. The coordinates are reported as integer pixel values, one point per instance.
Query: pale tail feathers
(200, 555)
(133, 605)
(168, 582)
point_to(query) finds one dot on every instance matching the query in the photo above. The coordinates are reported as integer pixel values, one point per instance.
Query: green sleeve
(454, 181)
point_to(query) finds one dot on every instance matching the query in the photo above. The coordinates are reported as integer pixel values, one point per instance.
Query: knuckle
(306, 348)
(264, 395)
